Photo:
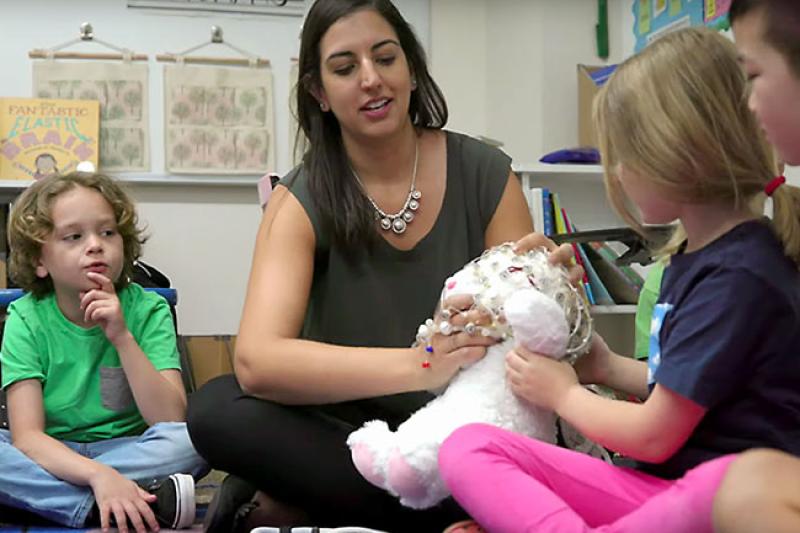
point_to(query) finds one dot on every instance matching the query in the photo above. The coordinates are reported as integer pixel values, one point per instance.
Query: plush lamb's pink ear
(451, 285)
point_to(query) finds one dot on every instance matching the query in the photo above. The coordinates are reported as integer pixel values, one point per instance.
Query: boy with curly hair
(91, 369)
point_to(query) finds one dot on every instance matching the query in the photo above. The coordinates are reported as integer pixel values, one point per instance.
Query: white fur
(404, 462)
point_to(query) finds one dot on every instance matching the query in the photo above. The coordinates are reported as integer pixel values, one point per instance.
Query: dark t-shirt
(379, 299)
(726, 335)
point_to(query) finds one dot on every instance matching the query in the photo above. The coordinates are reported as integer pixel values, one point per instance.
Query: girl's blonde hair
(31, 222)
(677, 113)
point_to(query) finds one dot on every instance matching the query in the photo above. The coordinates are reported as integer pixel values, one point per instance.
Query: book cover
(536, 209)
(547, 207)
(609, 254)
(40, 137)
(600, 294)
(618, 285)
(580, 259)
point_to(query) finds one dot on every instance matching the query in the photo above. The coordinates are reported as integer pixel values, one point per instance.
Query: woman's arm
(272, 363)
(512, 218)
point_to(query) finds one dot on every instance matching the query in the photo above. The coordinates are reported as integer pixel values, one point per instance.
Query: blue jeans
(162, 450)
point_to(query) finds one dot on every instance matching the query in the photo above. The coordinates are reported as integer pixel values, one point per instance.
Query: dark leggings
(298, 455)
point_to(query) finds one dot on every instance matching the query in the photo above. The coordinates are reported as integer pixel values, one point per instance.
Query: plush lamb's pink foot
(404, 480)
(364, 460)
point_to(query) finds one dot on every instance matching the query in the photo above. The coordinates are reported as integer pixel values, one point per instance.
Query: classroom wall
(519, 86)
(202, 235)
(507, 67)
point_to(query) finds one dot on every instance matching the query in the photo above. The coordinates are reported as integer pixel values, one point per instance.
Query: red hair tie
(773, 184)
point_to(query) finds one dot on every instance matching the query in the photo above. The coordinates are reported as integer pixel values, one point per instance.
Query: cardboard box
(590, 80)
(210, 356)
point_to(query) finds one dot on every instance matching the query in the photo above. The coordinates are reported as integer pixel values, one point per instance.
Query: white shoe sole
(185, 513)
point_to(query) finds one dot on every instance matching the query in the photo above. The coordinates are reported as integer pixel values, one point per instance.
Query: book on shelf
(619, 286)
(547, 208)
(537, 214)
(608, 253)
(580, 258)
(40, 137)
(600, 294)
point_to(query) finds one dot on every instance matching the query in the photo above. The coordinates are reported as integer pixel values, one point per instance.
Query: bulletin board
(654, 18)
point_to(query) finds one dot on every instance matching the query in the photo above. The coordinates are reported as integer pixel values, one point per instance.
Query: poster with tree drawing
(218, 120)
(121, 89)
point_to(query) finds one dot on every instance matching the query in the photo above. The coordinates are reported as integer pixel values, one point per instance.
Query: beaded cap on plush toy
(529, 302)
(491, 278)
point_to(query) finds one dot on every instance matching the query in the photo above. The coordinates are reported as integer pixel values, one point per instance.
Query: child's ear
(41, 270)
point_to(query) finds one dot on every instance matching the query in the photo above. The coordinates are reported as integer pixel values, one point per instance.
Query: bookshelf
(582, 194)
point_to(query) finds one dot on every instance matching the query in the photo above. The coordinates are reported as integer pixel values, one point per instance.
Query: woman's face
(366, 80)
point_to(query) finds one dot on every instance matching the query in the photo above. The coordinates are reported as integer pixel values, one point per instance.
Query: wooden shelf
(547, 168)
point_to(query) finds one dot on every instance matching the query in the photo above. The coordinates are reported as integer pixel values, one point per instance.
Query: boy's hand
(539, 379)
(123, 499)
(101, 306)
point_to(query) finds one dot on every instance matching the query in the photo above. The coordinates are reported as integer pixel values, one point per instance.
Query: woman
(352, 252)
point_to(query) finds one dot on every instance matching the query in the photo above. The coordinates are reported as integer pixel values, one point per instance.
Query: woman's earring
(323, 107)
(413, 84)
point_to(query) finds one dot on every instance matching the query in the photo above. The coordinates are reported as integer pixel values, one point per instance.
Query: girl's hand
(101, 306)
(559, 255)
(593, 367)
(123, 499)
(542, 381)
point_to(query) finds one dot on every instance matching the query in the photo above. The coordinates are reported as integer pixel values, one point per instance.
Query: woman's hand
(542, 381)
(559, 255)
(447, 354)
(593, 367)
(117, 496)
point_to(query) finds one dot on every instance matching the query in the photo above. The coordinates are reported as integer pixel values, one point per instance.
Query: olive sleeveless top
(379, 298)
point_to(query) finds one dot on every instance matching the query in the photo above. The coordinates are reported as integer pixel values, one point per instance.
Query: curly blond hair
(31, 222)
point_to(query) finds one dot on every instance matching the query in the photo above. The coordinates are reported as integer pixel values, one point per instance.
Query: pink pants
(510, 483)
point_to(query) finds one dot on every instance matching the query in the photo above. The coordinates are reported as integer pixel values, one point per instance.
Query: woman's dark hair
(342, 205)
(782, 25)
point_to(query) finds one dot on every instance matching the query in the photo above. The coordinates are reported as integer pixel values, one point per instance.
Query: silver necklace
(397, 222)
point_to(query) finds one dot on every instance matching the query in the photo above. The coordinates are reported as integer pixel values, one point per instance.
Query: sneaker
(174, 506)
(229, 506)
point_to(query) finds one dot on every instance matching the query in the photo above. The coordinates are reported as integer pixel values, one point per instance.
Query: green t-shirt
(85, 391)
(648, 297)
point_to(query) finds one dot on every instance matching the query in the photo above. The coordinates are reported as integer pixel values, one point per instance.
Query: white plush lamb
(531, 303)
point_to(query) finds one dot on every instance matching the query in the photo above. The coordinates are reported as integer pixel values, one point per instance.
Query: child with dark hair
(760, 490)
